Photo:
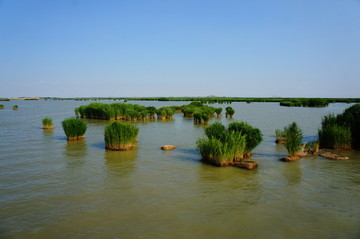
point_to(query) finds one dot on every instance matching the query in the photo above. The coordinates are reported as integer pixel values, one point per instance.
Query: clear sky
(129, 48)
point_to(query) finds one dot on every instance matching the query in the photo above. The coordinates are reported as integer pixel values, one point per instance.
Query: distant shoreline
(206, 99)
(23, 98)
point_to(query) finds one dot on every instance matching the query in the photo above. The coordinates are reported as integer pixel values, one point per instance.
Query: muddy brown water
(51, 188)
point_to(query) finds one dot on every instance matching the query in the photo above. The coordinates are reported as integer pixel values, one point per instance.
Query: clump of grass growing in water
(314, 146)
(2, 106)
(221, 147)
(152, 111)
(218, 111)
(205, 118)
(15, 107)
(74, 128)
(229, 112)
(161, 113)
(253, 135)
(170, 111)
(47, 123)
(335, 136)
(293, 135)
(197, 117)
(120, 136)
(280, 136)
(351, 118)
(335, 132)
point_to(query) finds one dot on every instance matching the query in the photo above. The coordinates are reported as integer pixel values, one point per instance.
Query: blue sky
(249, 48)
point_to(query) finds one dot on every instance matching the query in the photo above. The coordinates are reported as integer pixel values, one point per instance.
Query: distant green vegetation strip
(285, 101)
(311, 102)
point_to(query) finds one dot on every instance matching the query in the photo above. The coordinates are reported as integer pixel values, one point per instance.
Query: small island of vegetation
(305, 102)
(47, 123)
(293, 136)
(223, 147)
(122, 111)
(200, 112)
(74, 129)
(120, 136)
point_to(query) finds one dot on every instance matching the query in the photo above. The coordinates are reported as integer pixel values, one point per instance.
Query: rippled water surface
(51, 188)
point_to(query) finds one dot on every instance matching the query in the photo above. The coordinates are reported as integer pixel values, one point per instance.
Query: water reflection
(119, 163)
(75, 152)
(48, 132)
(240, 186)
(292, 172)
(187, 154)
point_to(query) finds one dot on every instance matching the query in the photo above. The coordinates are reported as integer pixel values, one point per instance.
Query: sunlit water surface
(51, 188)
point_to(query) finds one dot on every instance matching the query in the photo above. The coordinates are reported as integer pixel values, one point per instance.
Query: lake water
(51, 188)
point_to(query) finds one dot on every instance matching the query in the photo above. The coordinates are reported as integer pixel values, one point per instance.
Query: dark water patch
(188, 154)
(98, 145)
(60, 138)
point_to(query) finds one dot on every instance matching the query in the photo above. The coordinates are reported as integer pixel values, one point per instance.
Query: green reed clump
(170, 111)
(161, 113)
(221, 146)
(118, 111)
(120, 136)
(188, 111)
(218, 111)
(341, 131)
(47, 123)
(151, 111)
(2, 106)
(229, 112)
(305, 102)
(215, 151)
(15, 107)
(351, 118)
(335, 137)
(143, 115)
(176, 108)
(216, 130)
(205, 118)
(74, 128)
(77, 112)
(197, 117)
(293, 135)
(253, 135)
(131, 114)
(313, 146)
(280, 136)
(201, 113)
